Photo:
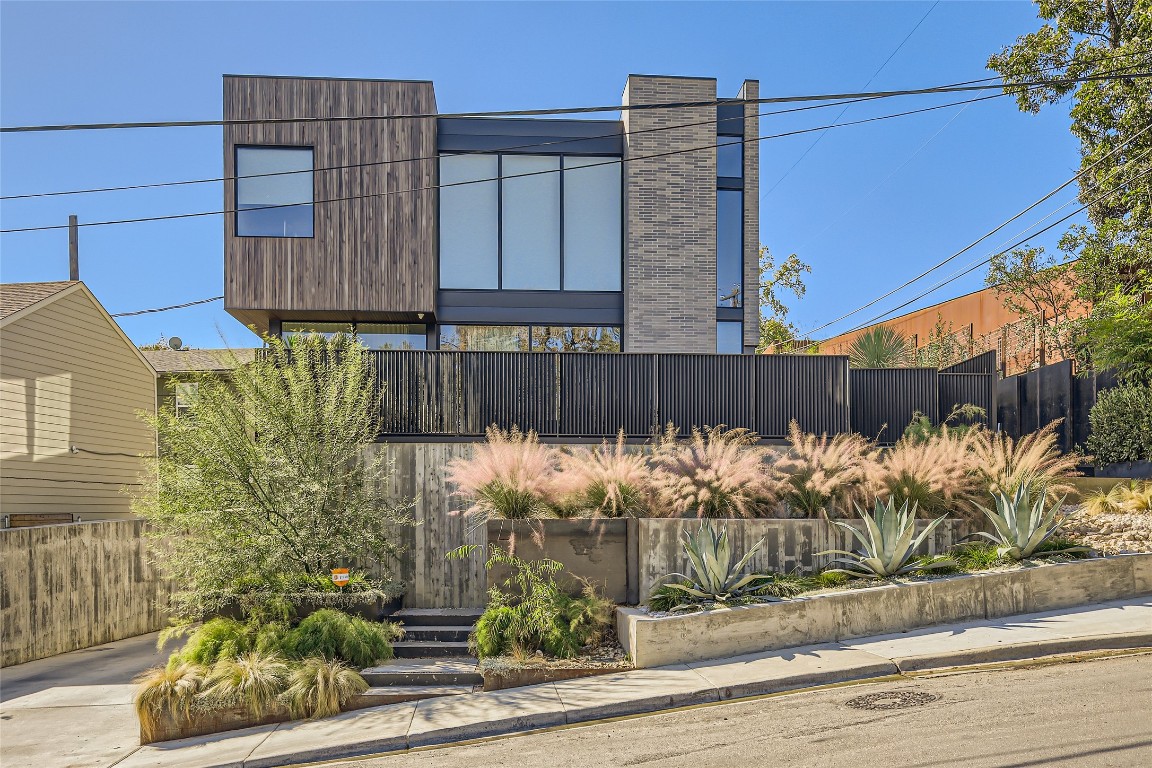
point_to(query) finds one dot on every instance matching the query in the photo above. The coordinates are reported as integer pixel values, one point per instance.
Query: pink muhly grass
(825, 475)
(512, 476)
(715, 474)
(936, 474)
(1003, 464)
(609, 480)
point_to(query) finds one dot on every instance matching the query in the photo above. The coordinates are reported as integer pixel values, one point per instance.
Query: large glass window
(371, 335)
(530, 222)
(503, 230)
(729, 337)
(729, 248)
(536, 338)
(469, 216)
(274, 191)
(730, 156)
(592, 211)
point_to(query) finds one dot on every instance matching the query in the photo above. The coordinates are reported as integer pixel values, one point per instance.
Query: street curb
(1022, 651)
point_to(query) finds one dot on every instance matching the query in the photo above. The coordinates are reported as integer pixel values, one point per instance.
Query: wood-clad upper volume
(372, 255)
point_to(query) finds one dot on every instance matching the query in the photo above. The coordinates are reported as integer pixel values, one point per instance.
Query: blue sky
(868, 207)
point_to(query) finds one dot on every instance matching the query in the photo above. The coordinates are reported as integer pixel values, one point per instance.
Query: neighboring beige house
(71, 385)
(177, 369)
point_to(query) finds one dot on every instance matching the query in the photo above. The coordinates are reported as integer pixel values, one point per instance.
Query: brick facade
(670, 219)
(751, 90)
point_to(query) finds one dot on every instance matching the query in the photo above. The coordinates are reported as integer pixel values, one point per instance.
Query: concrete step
(444, 634)
(394, 694)
(437, 617)
(427, 649)
(459, 670)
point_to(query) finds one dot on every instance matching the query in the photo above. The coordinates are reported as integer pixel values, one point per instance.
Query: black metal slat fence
(459, 394)
(1028, 401)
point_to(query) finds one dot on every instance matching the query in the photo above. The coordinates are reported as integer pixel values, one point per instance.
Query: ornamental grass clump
(934, 473)
(823, 476)
(253, 681)
(321, 687)
(511, 476)
(888, 543)
(334, 635)
(1034, 461)
(610, 480)
(715, 474)
(1135, 497)
(168, 691)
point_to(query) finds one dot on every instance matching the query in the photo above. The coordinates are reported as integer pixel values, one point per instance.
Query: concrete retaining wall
(65, 587)
(654, 642)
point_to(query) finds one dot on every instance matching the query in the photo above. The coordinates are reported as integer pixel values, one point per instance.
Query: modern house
(71, 386)
(420, 232)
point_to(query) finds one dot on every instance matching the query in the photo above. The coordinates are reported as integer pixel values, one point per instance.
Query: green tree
(265, 485)
(1041, 289)
(1112, 120)
(775, 278)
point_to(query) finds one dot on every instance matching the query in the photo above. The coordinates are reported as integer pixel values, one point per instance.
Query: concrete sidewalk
(1120, 624)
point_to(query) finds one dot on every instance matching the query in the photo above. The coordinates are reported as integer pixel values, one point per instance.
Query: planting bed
(506, 672)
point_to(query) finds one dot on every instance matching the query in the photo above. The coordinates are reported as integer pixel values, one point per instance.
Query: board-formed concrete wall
(65, 587)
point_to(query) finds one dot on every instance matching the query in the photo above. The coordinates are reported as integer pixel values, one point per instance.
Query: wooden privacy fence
(458, 394)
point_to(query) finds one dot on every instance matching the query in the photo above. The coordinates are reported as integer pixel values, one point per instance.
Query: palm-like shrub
(714, 580)
(251, 680)
(1004, 464)
(168, 691)
(932, 473)
(823, 475)
(321, 687)
(610, 480)
(715, 474)
(511, 476)
(334, 635)
(1023, 522)
(879, 347)
(888, 543)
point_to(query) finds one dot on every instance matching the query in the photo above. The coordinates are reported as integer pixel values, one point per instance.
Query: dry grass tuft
(716, 473)
(825, 476)
(936, 474)
(1003, 464)
(609, 480)
(511, 476)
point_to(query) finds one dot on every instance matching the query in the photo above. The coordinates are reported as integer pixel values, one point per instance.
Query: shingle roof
(17, 296)
(188, 360)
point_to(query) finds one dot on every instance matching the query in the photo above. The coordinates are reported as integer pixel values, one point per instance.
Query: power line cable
(613, 161)
(991, 232)
(875, 74)
(165, 309)
(561, 111)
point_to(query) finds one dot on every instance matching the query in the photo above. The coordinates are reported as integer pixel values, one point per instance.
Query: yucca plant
(1021, 525)
(824, 475)
(888, 543)
(321, 687)
(610, 480)
(511, 476)
(715, 474)
(252, 680)
(168, 691)
(1034, 460)
(714, 580)
(880, 347)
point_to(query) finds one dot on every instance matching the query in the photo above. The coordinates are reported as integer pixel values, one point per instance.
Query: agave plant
(888, 543)
(716, 474)
(1022, 525)
(511, 476)
(823, 474)
(880, 347)
(715, 581)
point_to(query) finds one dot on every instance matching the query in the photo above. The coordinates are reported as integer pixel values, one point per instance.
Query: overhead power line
(612, 161)
(165, 309)
(563, 111)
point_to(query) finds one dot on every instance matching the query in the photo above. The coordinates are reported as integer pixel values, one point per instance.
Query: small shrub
(167, 691)
(224, 638)
(1021, 525)
(610, 480)
(921, 428)
(716, 474)
(335, 635)
(823, 475)
(976, 556)
(251, 680)
(1034, 461)
(321, 687)
(511, 476)
(1122, 425)
(888, 543)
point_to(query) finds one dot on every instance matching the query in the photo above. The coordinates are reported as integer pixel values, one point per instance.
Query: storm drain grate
(893, 700)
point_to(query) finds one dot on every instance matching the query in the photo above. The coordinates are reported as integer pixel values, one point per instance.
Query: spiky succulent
(888, 542)
(1022, 525)
(714, 580)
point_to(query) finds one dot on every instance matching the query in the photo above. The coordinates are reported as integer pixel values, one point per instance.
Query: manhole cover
(893, 700)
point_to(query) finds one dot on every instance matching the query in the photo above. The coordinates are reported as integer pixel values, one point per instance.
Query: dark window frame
(530, 327)
(236, 190)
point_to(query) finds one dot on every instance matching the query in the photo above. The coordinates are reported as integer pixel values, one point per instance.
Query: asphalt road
(1093, 713)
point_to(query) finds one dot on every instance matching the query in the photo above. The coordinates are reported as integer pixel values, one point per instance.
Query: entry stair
(431, 661)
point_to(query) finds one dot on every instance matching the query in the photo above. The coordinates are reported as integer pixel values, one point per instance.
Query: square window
(274, 191)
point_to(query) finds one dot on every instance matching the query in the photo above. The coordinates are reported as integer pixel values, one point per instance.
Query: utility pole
(73, 248)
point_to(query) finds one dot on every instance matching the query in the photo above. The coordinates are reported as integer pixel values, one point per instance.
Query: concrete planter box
(232, 719)
(527, 675)
(659, 641)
